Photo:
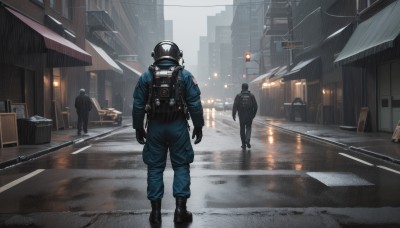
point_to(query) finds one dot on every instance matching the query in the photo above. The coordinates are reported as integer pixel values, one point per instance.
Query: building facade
(52, 48)
(341, 57)
(43, 56)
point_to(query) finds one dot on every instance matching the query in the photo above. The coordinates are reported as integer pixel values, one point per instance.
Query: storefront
(35, 63)
(370, 63)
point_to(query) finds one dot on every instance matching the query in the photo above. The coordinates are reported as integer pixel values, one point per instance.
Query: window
(56, 5)
(280, 21)
(67, 9)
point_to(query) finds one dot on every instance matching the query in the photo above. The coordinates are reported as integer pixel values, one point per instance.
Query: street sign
(292, 44)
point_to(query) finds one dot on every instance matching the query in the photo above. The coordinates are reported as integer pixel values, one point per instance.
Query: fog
(190, 22)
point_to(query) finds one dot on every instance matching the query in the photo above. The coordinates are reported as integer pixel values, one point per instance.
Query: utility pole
(290, 27)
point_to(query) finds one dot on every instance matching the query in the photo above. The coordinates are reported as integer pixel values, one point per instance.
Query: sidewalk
(12, 155)
(374, 144)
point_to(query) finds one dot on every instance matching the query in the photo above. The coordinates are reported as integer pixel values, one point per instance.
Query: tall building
(246, 28)
(202, 61)
(169, 30)
(218, 37)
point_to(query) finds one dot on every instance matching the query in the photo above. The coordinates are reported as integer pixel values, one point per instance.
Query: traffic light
(247, 56)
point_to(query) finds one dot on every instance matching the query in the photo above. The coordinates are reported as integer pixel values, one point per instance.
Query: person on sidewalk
(167, 94)
(246, 105)
(83, 105)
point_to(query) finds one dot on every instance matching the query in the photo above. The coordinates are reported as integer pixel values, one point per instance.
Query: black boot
(155, 215)
(181, 214)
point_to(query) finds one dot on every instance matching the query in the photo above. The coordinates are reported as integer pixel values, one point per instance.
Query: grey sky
(189, 23)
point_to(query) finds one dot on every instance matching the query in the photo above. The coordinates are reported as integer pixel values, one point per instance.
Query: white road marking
(336, 179)
(82, 149)
(105, 136)
(356, 159)
(388, 169)
(19, 180)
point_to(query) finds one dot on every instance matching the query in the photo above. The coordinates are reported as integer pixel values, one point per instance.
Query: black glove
(140, 135)
(234, 117)
(198, 132)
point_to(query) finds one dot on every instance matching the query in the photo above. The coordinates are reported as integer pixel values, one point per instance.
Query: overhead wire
(194, 6)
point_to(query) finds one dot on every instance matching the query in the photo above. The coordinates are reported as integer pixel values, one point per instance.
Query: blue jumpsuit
(164, 136)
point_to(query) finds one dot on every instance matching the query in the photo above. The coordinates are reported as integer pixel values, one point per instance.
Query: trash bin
(298, 110)
(35, 130)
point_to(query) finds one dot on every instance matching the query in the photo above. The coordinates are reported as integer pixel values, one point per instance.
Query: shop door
(384, 99)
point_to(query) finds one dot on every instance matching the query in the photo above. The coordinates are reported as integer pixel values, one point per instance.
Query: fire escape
(275, 30)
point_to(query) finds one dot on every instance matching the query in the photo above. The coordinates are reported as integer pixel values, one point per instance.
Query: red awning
(54, 43)
(135, 65)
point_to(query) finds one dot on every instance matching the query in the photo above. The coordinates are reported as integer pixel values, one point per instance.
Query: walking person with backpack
(168, 94)
(246, 105)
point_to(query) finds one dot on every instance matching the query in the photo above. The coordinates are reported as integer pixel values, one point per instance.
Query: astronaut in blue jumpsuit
(169, 135)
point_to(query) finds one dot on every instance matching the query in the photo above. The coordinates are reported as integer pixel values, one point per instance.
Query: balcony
(99, 21)
(276, 9)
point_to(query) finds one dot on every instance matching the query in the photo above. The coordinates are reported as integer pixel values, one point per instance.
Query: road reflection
(270, 136)
(210, 117)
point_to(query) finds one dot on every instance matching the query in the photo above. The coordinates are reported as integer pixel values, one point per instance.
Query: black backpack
(245, 102)
(165, 101)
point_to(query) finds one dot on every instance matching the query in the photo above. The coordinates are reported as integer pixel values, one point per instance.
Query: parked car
(208, 103)
(228, 104)
(219, 104)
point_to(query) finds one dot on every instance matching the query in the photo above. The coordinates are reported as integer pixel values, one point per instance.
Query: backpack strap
(152, 68)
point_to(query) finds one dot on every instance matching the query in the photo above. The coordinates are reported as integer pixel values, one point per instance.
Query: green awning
(262, 77)
(372, 36)
(306, 69)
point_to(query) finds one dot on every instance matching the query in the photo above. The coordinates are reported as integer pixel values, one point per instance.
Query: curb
(23, 158)
(344, 146)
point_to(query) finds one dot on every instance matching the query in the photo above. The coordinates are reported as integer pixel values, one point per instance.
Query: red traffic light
(247, 56)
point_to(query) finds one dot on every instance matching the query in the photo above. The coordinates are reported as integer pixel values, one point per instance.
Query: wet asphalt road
(283, 180)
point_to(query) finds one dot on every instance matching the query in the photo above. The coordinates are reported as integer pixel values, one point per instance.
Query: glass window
(67, 9)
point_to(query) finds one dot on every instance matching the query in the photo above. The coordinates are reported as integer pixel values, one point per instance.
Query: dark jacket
(245, 114)
(83, 104)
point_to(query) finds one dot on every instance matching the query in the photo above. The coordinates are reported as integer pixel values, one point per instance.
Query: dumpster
(34, 130)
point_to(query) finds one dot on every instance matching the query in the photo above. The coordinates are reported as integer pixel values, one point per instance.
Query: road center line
(356, 159)
(82, 149)
(388, 169)
(19, 180)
